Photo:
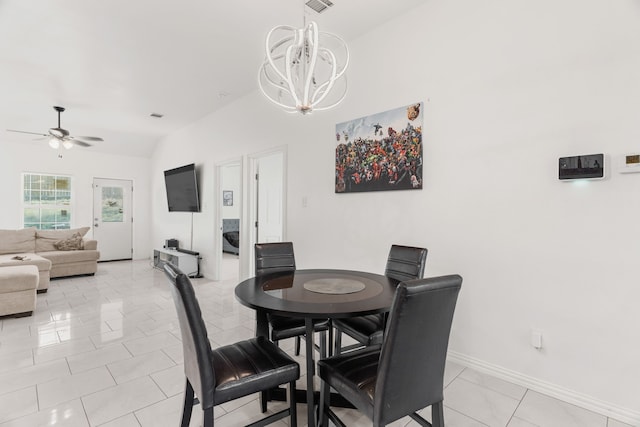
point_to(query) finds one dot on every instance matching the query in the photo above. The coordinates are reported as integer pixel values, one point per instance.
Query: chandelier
(304, 68)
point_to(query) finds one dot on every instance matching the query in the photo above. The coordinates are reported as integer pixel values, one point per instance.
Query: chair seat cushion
(354, 376)
(367, 330)
(283, 327)
(250, 366)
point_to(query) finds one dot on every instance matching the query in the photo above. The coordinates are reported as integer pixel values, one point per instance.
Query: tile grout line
(491, 389)
(518, 406)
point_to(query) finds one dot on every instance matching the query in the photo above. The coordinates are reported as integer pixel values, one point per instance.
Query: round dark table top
(348, 293)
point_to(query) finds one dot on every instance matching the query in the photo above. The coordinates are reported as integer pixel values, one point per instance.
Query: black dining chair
(276, 258)
(406, 373)
(228, 372)
(403, 263)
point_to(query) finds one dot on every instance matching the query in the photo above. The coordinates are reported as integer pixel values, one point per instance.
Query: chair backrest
(274, 257)
(405, 263)
(414, 350)
(198, 356)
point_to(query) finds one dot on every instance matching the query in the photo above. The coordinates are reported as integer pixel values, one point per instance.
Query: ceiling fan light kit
(304, 68)
(58, 135)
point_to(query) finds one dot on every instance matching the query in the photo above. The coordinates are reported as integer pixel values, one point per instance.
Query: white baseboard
(624, 415)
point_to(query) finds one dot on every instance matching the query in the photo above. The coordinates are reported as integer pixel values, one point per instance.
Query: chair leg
(264, 397)
(417, 418)
(208, 417)
(338, 342)
(437, 414)
(323, 345)
(330, 338)
(188, 405)
(323, 406)
(298, 346)
(293, 409)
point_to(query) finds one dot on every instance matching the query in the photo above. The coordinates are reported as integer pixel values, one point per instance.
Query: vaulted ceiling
(113, 63)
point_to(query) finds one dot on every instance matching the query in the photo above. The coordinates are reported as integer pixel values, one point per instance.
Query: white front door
(113, 218)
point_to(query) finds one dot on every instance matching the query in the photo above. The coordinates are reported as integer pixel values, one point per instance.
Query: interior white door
(113, 218)
(270, 189)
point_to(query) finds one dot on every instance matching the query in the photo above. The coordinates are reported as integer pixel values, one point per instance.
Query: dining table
(315, 294)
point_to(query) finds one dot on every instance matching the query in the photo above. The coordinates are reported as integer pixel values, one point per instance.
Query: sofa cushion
(42, 263)
(46, 239)
(71, 244)
(17, 241)
(64, 257)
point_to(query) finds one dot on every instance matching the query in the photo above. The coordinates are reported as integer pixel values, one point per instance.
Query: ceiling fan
(59, 135)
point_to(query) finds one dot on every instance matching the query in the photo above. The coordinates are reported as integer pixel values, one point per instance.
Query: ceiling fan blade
(80, 143)
(88, 138)
(32, 133)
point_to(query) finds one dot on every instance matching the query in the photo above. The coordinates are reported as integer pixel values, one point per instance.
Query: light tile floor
(105, 351)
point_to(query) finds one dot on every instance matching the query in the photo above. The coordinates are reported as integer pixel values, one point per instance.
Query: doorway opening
(229, 215)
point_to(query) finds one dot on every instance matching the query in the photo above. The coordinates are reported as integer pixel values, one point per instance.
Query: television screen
(581, 167)
(182, 189)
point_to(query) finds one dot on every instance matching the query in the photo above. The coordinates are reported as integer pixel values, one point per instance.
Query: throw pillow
(46, 238)
(71, 244)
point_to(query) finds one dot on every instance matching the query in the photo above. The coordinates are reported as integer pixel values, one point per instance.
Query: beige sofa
(52, 251)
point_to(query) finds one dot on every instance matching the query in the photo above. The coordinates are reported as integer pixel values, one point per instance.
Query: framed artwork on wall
(227, 198)
(380, 152)
(586, 166)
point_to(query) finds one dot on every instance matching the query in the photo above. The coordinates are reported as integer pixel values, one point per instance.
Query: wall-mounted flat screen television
(182, 189)
(590, 166)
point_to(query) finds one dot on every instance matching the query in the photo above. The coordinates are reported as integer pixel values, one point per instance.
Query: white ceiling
(113, 63)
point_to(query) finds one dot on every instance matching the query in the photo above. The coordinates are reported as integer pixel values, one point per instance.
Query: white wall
(83, 166)
(509, 86)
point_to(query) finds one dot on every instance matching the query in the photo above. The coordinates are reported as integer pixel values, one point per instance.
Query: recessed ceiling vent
(319, 5)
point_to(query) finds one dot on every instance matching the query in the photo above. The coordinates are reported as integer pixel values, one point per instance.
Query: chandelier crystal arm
(339, 40)
(310, 43)
(288, 108)
(275, 47)
(338, 101)
(263, 72)
(277, 84)
(289, 80)
(325, 87)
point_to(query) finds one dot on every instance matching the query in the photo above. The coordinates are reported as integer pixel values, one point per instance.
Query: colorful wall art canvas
(380, 152)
